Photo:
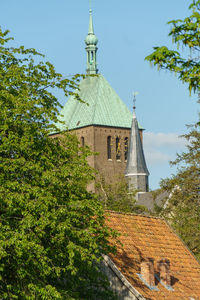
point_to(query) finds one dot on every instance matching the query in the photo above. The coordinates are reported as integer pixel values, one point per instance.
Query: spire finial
(90, 5)
(134, 102)
(91, 47)
(134, 99)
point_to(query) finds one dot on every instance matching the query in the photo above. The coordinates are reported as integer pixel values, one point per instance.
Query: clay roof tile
(143, 237)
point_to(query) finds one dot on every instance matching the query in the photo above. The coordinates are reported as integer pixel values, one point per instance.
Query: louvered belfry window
(109, 156)
(118, 150)
(125, 148)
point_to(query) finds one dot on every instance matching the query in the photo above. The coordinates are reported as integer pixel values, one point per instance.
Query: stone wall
(118, 283)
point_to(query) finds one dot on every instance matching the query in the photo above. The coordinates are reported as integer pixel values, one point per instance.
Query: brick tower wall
(96, 138)
(110, 168)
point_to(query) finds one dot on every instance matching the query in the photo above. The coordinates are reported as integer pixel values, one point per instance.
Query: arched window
(118, 149)
(82, 141)
(125, 148)
(109, 147)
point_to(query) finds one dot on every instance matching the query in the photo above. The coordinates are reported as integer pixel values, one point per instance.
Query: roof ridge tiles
(181, 240)
(136, 214)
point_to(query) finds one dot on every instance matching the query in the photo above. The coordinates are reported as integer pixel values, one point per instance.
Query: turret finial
(91, 47)
(134, 102)
(91, 30)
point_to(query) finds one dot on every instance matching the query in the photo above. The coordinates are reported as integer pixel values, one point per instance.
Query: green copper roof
(104, 106)
(91, 28)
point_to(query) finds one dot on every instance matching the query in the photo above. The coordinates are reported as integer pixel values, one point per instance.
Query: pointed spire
(91, 28)
(136, 169)
(91, 48)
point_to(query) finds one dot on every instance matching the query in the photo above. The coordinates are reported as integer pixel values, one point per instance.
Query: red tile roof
(144, 237)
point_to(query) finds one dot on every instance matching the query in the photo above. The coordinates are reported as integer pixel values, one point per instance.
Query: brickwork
(147, 271)
(164, 270)
(96, 138)
(88, 134)
(115, 165)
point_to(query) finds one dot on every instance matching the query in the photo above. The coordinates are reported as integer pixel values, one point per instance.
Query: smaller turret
(136, 170)
(91, 48)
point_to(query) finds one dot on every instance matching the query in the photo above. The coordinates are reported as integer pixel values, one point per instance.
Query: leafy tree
(116, 196)
(52, 231)
(182, 207)
(185, 34)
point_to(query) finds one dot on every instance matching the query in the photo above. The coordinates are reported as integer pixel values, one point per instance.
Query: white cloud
(152, 139)
(154, 157)
(160, 148)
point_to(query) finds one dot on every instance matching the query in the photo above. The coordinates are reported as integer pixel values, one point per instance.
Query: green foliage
(185, 33)
(116, 196)
(52, 231)
(182, 207)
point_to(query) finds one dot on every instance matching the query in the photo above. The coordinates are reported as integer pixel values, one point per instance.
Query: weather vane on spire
(90, 4)
(134, 100)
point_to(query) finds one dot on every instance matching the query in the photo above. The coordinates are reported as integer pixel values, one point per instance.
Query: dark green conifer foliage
(52, 231)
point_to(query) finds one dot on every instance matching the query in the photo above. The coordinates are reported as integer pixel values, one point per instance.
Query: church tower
(104, 123)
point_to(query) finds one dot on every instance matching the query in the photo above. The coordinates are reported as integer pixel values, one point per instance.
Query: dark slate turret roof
(136, 163)
(104, 107)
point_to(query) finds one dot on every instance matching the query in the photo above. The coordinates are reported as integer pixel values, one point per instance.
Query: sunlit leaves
(182, 206)
(186, 35)
(52, 230)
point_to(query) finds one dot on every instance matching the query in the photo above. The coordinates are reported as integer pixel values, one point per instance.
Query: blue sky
(127, 31)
